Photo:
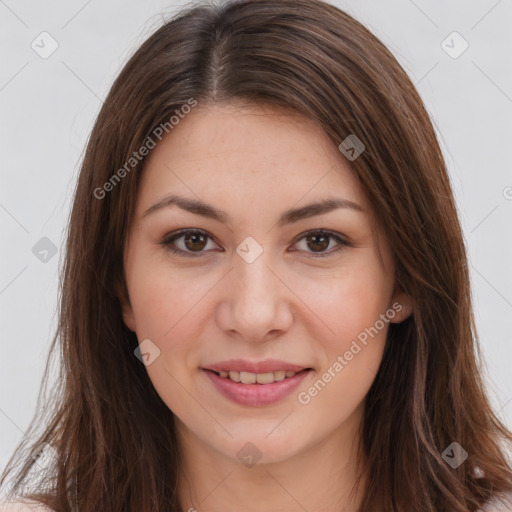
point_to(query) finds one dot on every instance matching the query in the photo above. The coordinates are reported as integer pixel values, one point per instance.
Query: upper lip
(244, 365)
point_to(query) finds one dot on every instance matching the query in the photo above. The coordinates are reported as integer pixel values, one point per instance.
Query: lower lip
(256, 394)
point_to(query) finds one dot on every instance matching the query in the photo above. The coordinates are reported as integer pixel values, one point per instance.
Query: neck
(319, 477)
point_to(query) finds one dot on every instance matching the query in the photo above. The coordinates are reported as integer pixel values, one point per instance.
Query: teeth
(247, 378)
(265, 378)
(253, 378)
(234, 376)
(280, 375)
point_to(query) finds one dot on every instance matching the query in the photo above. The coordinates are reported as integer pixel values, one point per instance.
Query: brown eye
(318, 242)
(192, 242)
(195, 241)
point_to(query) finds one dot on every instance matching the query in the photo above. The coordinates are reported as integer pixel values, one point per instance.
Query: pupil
(320, 241)
(194, 237)
(324, 238)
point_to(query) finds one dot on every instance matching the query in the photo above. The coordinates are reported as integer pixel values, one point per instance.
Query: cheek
(167, 307)
(348, 308)
(164, 300)
(170, 309)
(353, 338)
(347, 303)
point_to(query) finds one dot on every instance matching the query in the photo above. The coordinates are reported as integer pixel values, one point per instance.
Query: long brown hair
(114, 438)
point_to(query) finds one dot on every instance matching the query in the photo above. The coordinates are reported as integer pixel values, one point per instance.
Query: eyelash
(168, 241)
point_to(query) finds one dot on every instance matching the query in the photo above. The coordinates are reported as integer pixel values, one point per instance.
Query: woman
(265, 302)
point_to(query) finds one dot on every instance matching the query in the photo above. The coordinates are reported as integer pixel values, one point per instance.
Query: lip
(244, 365)
(256, 395)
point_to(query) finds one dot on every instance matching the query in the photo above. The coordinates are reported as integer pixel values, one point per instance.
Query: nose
(256, 305)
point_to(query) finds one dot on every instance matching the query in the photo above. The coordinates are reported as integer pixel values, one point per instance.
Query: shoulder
(23, 506)
(497, 505)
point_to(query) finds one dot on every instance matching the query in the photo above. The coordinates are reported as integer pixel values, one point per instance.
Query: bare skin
(290, 303)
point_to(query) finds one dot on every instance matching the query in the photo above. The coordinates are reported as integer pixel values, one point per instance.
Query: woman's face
(258, 290)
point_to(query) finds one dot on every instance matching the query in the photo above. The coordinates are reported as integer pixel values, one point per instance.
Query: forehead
(231, 152)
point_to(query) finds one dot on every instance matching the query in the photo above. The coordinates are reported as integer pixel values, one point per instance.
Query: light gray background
(48, 107)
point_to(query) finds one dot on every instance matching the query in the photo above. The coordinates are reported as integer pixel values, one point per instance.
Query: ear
(402, 305)
(126, 308)
(128, 317)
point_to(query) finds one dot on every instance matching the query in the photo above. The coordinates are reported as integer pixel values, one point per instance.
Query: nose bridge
(251, 266)
(255, 283)
(255, 302)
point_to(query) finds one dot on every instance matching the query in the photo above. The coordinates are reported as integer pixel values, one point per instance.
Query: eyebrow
(290, 216)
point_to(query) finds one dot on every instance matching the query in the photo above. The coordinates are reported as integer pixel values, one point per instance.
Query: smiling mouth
(258, 378)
